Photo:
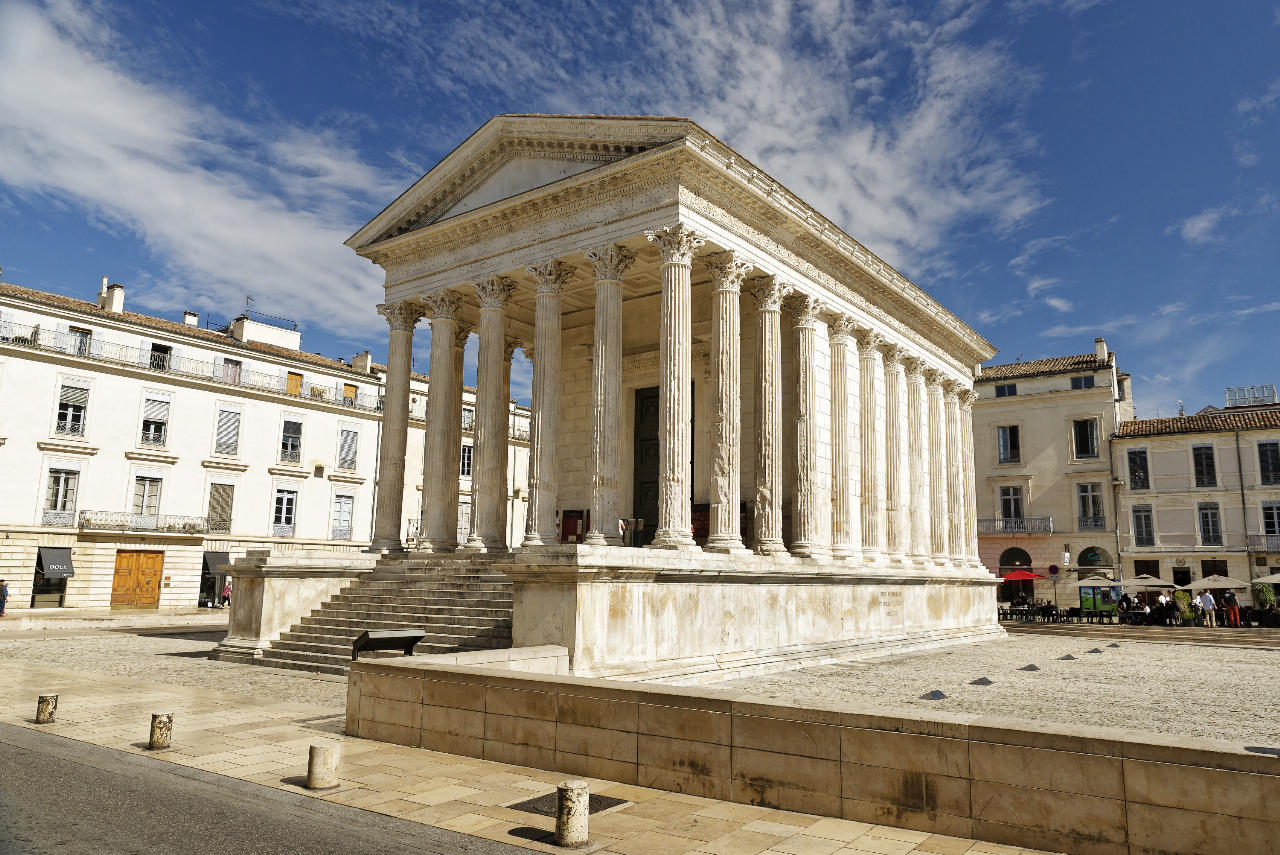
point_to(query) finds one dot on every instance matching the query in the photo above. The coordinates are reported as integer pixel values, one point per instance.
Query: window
(1009, 445)
(146, 496)
(227, 439)
(291, 442)
(73, 407)
(349, 393)
(347, 443)
(468, 418)
(1082, 382)
(1007, 390)
(1084, 432)
(231, 369)
(1139, 478)
(155, 421)
(161, 357)
(342, 507)
(81, 341)
(221, 498)
(286, 508)
(1089, 502)
(293, 383)
(60, 501)
(1210, 524)
(1271, 518)
(1011, 503)
(1269, 463)
(1146, 567)
(465, 469)
(1181, 576)
(1213, 567)
(1144, 527)
(1205, 469)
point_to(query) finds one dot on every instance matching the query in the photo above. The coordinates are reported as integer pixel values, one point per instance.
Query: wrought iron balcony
(153, 438)
(219, 526)
(70, 428)
(1264, 542)
(122, 521)
(1019, 525)
(341, 532)
(282, 530)
(290, 455)
(61, 519)
(1092, 523)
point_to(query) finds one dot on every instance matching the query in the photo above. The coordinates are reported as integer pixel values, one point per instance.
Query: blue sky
(1050, 170)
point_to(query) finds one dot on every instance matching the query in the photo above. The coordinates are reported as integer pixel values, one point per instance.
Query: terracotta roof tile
(1052, 365)
(1223, 420)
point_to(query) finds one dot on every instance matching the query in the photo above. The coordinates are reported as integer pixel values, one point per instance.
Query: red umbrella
(1019, 575)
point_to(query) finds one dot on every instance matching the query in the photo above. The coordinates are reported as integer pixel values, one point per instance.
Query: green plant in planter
(1263, 594)
(1182, 600)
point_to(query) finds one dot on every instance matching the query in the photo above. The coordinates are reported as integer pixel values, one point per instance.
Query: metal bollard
(322, 765)
(161, 731)
(572, 806)
(46, 707)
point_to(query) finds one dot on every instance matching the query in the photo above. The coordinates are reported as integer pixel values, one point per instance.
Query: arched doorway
(1011, 559)
(1015, 557)
(1093, 556)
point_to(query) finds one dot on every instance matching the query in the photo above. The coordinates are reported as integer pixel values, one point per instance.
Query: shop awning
(55, 562)
(213, 562)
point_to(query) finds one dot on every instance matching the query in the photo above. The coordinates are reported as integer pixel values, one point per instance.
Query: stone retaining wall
(1081, 790)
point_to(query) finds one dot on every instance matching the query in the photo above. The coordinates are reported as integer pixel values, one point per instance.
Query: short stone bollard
(322, 765)
(46, 707)
(161, 731)
(572, 806)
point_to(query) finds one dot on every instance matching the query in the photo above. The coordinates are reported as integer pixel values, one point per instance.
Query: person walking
(226, 593)
(1231, 607)
(1207, 602)
(4, 595)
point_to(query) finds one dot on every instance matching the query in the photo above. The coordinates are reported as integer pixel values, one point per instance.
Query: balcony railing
(290, 455)
(61, 342)
(67, 428)
(61, 519)
(1264, 542)
(153, 438)
(341, 533)
(282, 530)
(219, 526)
(1021, 525)
(1092, 523)
(122, 521)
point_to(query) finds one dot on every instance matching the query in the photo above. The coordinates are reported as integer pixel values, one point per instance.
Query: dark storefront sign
(55, 562)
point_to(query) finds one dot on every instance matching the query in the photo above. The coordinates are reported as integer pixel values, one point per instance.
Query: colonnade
(900, 483)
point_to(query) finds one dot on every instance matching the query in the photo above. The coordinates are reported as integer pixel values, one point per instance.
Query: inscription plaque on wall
(891, 604)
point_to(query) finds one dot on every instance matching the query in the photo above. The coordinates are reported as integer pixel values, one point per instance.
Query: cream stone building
(783, 418)
(141, 454)
(1041, 432)
(1199, 495)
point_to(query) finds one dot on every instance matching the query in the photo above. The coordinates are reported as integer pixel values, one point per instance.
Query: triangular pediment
(511, 155)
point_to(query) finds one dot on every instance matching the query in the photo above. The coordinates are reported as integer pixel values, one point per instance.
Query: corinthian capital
(551, 276)
(869, 339)
(914, 366)
(966, 397)
(804, 309)
(443, 305)
(933, 377)
(676, 243)
(509, 347)
(401, 316)
(893, 353)
(726, 272)
(842, 328)
(495, 291)
(610, 261)
(463, 333)
(767, 292)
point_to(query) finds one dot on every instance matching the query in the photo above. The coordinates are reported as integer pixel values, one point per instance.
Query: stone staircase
(463, 604)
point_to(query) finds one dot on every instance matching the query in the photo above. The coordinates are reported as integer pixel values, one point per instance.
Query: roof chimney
(362, 362)
(113, 299)
(191, 319)
(102, 294)
(1100, 348)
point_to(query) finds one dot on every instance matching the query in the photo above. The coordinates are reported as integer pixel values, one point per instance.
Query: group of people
(1165, 612)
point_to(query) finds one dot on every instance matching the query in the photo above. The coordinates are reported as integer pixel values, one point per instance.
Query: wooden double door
(136, 583)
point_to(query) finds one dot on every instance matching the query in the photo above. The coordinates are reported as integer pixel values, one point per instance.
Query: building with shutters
(139, 454)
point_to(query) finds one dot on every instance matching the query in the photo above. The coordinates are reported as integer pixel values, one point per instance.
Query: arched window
(1094, 557)
(1015, 557)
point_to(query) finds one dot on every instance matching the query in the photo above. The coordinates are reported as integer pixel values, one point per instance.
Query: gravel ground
(1181, 689)
(180, 659)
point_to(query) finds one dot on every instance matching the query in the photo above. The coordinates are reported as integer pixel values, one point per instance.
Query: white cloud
(1202, 228)
(229, 207)
(1254, 107)
(1059, 304)
(1040, 283)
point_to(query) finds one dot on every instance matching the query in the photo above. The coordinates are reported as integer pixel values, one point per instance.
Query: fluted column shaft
(806, 540)
(509, 347)
(726, 400)
(968, 476)
(937, 467)
(918, 418)
(955, 486)
(402, 318)
(488, 481)
(453, 453)
(870, 380)
(767, 295)
(439, 518)
(675, 376)
(544, 424)
(898, 482)
(843, 510)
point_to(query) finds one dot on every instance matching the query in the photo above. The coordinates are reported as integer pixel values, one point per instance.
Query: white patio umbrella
(1141, 582)
(1094, 582)
(1273, 579)
(1213, 583)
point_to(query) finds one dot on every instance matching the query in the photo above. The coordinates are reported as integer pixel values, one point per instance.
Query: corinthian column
(805, 536)
(844, 541)
(675, 404)
(509, 348)
(937, 467)
(968, 476)
(611, 262)
(898, 480)
(955, 484)
(544, 427)
(488, 482)
(870, 379)
(918, 456)
(726, 401)
(440, 516)
(402, 318)
(767, 294)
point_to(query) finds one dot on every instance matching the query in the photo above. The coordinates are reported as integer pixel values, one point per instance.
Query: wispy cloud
(1040, 283)
(1253, 107)
(1059, 304)
(1202, 228)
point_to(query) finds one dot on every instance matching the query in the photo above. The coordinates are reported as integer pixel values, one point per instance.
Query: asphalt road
(70, 798)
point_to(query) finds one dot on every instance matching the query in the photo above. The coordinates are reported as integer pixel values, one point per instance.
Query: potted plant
(1182, 600)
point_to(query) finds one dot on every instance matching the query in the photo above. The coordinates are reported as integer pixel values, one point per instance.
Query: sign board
(1053, 569)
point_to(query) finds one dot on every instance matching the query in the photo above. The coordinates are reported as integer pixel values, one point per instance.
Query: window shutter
(221, 497)
(74, 395)
(228, 438)
(347, 440)
(154, 410)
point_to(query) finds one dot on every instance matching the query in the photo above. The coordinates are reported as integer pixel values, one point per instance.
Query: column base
(872, 555)
(384, 548)
(671, 540)
(771, 546)
(726, 546)
(801, 549)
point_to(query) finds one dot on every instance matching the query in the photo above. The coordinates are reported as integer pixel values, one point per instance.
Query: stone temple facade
(788, 416)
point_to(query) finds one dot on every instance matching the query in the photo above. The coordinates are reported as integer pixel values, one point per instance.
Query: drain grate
(546, 805)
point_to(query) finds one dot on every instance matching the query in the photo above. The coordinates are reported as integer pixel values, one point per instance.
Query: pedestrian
(226, 593)
(1207, 603)
(1231, 606)
(4, 596)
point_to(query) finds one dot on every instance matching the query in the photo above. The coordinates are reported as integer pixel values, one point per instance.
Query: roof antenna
(1019, 359)
(1181, 410)
(248, 302)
